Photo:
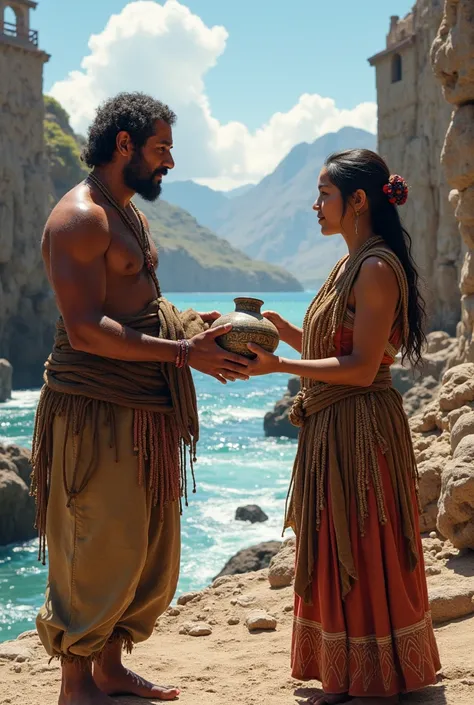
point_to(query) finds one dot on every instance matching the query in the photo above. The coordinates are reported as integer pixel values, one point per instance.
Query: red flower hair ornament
(396, 190)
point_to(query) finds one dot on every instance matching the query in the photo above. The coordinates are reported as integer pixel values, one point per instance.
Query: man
(117, 414)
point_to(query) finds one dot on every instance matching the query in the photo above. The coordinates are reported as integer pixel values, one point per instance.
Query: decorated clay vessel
(248, 326)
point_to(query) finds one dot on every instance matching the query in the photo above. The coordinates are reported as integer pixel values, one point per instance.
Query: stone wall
(412, 122)
(452, 57)
(26, 307)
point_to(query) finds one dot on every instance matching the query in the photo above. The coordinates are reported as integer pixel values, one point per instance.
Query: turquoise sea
(237, 465)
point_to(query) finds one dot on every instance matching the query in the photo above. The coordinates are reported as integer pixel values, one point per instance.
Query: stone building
(412, 121)
(26, 307)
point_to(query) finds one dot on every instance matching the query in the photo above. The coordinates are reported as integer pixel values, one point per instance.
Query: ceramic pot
(248, 326)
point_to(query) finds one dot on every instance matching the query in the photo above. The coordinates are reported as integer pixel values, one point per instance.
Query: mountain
(192, 258)
(239, 191)
(274, 221)
(201, 201)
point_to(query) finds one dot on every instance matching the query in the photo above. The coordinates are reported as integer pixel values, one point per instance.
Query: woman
(362, 623)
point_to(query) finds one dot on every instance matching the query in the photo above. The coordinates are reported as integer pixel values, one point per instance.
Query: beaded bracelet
(183, 352)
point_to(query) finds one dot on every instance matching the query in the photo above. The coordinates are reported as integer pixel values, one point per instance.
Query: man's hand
(209, 316)
(206, 356)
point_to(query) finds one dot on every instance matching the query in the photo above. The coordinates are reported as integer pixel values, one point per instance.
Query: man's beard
(138, 179)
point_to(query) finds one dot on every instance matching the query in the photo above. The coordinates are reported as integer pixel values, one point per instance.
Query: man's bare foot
(78, 687)
(111, 676)
(328, 699)
(121, 681)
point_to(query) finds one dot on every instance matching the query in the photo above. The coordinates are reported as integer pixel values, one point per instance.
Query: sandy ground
(230, 665)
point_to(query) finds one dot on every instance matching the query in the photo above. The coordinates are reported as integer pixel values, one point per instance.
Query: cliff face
(412, 123)
(26, 306)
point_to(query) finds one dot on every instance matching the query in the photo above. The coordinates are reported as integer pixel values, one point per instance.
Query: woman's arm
(376, 293)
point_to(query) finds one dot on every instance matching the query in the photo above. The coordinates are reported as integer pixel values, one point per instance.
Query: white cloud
(166, 50)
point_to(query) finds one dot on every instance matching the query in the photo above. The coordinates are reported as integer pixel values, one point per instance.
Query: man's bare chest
(125, 256)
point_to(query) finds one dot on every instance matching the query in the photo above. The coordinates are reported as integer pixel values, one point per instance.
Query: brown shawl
(163, 398)
(343, 428)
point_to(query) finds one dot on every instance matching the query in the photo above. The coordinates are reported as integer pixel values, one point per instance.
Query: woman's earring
(357, 223)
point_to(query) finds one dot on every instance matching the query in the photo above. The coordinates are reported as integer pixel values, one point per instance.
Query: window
(396, 68)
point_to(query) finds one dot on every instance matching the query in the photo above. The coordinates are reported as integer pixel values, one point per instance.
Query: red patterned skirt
(379, 641)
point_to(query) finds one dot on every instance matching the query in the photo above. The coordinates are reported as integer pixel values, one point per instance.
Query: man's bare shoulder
(78, 221)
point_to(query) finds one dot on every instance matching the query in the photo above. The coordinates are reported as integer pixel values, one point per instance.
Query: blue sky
(274, 53)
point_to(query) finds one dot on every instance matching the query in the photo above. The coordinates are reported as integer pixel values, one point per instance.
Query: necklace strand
(139, 233)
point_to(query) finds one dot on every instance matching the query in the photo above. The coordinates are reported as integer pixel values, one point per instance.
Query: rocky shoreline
(231, 641)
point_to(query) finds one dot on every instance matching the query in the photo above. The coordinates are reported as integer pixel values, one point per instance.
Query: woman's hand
(264, 364)
(280, 323)
(290, 334)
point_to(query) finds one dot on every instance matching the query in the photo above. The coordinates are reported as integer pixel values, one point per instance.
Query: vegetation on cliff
(62, 150)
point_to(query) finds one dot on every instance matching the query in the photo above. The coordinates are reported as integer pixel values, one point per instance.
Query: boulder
(281, 570)
(430, 472)
(259, 619)
(449, 602)
(458, 387)
(456, 502)
(6, 373)
(251, 559)
(17, 508)
(277, 422)
(251, 513)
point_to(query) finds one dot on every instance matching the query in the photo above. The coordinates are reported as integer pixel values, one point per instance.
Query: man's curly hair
(135, 113)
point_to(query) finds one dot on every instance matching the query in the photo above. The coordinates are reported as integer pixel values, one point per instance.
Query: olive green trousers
(113, 560)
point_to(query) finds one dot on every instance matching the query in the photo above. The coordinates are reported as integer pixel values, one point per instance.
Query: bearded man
(117, 416)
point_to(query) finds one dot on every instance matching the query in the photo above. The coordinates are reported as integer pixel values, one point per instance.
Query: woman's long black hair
(362, 169)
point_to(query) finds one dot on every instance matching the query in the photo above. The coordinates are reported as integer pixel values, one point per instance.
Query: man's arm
(77, 257)
(78, 276)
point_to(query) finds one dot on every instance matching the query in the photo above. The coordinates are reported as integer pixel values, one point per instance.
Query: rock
(225, 579)
(458, 387)
(200, 629)
(187, 597)
(251, 559)
(6, 373)
(185, 627)
(433, 535)
(456, 502)
(259, 619)
(20, 457)
(419, 395)
(277, 422)
(430, 472)
(17, 508)
(233, 620)
(31, 633)
(448, 602)
(173, 612)
(281, 570)
(244, 601)
(464, 426)
(251, 513)
(15, 651)
(403, 378)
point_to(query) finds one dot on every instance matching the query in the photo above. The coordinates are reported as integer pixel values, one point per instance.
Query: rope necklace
(139, 233)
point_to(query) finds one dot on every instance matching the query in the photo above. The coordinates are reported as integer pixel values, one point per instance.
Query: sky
(248, 79)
